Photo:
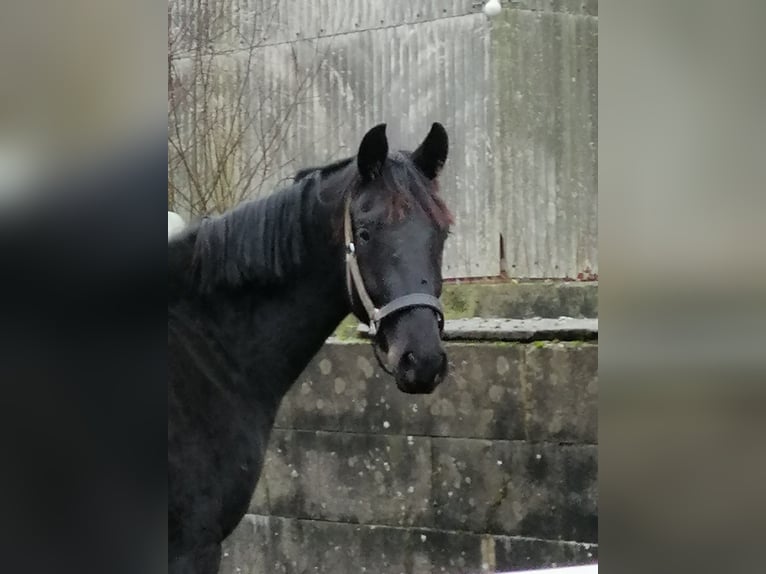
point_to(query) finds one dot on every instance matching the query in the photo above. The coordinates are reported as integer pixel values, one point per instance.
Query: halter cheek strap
(354, 281)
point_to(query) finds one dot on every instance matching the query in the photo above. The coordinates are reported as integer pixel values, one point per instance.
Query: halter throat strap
(354, 281)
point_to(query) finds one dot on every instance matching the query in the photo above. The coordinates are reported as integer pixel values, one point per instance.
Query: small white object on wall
(492, 8)
(175, 224)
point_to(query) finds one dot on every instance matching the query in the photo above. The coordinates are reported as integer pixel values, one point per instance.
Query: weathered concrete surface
(541, 490)
(497, 468)
(342, 477)
(524, 300)
(537, 392)
(545, 138)
(276, 545)
(560, 388)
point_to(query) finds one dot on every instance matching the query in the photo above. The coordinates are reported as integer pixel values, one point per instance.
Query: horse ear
(373, 152)
(432, 153)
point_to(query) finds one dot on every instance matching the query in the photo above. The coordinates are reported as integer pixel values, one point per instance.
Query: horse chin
(407, 385)
(416, 388)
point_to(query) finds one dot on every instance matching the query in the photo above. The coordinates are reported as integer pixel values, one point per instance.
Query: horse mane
(323, 171)
(266, 240)
(262, 240)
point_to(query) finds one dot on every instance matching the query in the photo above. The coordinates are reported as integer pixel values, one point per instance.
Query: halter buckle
(374, 322)
(350, 248)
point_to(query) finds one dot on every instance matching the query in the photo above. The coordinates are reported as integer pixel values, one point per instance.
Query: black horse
(254, 294)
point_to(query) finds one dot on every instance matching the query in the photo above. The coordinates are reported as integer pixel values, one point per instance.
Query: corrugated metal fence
(517, 93)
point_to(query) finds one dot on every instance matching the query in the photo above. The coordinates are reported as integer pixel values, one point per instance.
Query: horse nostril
(408, 361)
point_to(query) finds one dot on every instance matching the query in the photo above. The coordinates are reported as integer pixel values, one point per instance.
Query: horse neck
(274, 334)
(272, 331)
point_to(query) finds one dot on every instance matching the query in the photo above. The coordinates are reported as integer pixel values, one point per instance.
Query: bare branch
(228, 126)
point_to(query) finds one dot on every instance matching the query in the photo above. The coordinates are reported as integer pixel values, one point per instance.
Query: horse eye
(364, 235)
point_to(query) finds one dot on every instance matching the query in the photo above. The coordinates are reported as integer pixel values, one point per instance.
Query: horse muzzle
(420, 374)
(415, 354)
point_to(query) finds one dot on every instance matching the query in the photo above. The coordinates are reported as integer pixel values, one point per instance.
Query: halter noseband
(354, 281)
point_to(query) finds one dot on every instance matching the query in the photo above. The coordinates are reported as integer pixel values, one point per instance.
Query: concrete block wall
(496, 470)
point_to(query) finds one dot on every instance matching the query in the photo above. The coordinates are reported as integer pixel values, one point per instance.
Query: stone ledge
(506, 299)
(521, 330)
